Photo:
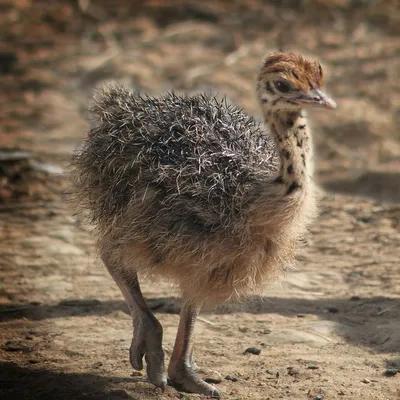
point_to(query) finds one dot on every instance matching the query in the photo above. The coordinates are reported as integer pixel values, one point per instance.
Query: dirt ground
(328, 330)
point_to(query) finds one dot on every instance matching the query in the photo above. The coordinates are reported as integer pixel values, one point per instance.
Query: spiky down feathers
(168, 183)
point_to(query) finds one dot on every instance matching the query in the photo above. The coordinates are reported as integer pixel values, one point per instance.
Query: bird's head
(290, 81)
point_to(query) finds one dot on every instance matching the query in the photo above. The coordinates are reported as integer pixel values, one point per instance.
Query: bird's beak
(317, 98)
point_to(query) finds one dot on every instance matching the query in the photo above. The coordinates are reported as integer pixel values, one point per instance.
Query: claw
(162, 385)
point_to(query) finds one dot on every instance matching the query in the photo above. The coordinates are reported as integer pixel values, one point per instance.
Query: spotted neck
(293, 140)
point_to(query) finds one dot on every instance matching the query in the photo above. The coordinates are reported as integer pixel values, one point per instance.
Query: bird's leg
(180, 369)
(147, 330)
(191, 361)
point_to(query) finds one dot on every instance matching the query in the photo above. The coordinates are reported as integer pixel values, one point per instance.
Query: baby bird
(194, 190)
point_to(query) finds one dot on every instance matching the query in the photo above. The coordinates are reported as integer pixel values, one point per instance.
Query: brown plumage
(192, 189)
(304, 73)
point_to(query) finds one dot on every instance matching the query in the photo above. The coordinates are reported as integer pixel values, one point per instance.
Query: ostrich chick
(194, 190)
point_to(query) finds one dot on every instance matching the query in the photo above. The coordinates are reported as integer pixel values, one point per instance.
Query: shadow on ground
(370, 322)
(381, 186)
(17, 383)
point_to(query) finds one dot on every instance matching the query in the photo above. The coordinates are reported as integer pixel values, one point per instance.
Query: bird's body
(193, 189)
(174, 187)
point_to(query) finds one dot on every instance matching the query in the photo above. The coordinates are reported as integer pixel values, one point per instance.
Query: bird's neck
(293, 141)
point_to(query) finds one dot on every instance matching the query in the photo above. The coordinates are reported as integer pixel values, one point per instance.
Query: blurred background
(332, 331)
(54, 52)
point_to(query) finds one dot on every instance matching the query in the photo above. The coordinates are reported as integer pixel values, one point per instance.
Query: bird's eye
(283, 86)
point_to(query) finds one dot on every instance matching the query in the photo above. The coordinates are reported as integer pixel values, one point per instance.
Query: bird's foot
(147, 342)
(183, 377)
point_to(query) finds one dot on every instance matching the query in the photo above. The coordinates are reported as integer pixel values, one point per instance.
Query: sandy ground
(329, 329)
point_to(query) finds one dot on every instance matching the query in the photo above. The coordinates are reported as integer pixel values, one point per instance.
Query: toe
(156, 369)
(136, 353)
(159, 380)
(198, 386)
(184, 378)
